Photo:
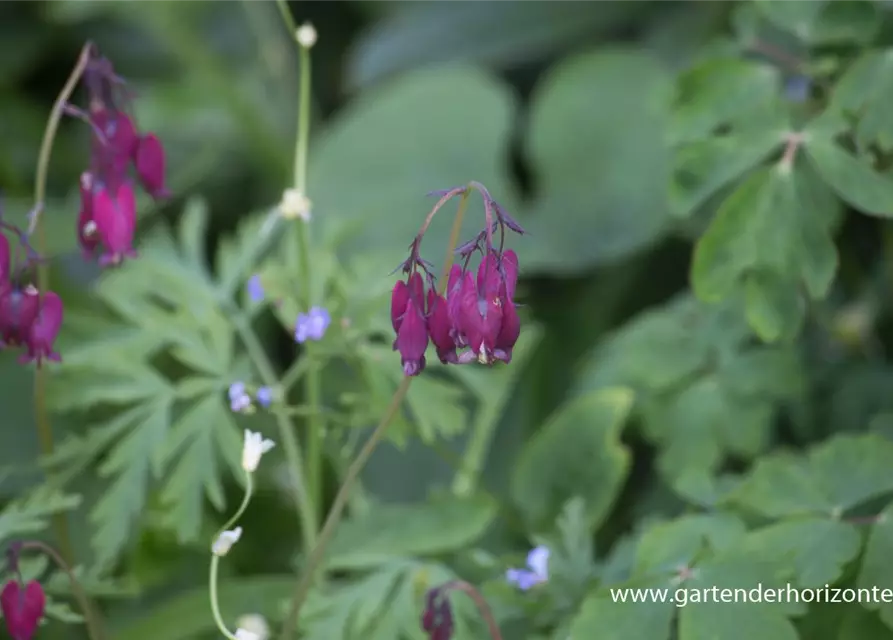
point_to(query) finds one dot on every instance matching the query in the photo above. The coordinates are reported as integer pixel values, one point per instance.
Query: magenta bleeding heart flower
(28, 318)
(107, 216)
(475, 318)
(23, 607)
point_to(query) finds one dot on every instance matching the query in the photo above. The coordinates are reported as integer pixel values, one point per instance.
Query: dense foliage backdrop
(701, 394)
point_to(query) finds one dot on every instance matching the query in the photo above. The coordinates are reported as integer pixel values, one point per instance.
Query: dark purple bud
(440, 328)
(22, 608)
(18, 310)
(150, 164)
(115, 218)
(88, 238)
(437, 619)
(44, 330)
(507, 220)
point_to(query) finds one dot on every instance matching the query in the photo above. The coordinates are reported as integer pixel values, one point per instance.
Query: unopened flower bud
(306, 35)
(253, 623)
(294, 204)
(225, 541)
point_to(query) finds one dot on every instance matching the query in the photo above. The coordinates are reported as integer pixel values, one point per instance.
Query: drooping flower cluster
(476, 311)
(437, 618)
(107, 218)
(28, 317)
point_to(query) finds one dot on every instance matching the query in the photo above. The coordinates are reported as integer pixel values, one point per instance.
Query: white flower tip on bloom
(254, 623)
(295, 204)
(306, 35)
(244, 634)
(255, 446)
(225, 541)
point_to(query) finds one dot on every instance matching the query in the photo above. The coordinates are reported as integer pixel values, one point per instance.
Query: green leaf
(576, 453)
(603, 618)
(606, 182)
(669, 545)
(30, 514)
(768, 225)
(773, 305)
(491, 34)
(437, 408)
(817, 548)
(796, 17)
(742, 620)
(877, 563)
(431, 129)
(864, 92)
(702, 167)
(721, 91)
(832, 477)
(130, 462)
(398, 531)
(852, 178)
(204, 434)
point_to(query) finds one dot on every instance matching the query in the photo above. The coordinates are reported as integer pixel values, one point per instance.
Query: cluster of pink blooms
(475, 319)
(106, 221)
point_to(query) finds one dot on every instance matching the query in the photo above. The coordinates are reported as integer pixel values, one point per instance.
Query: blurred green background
(583, 119)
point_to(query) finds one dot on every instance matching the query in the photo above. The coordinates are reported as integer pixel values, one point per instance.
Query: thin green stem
(41, 415)
(312, 382)
(91, 618)
(290, 444)
(353, 472)
(249, 490)
(215, 608)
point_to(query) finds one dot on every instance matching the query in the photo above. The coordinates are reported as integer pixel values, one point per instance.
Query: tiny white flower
(244, 634)
(254, 623)
(294, 204)
(306, 35)
(255, 446)
(225, 541)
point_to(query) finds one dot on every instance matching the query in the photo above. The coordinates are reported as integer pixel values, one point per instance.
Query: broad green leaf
(30, 514)
(130, 463)
(437, 408)
(426, 130)
(796, 17)
(711, 617)
(662, 346)
(703, 167)
(864, 91)
(495, 33)
(603, 618)
(767, 224)
(577, 452)
(852, 178)
(601, 188)
(877, 562)
(669, 545)
(773, 306)
(397, 531)
(831, 478)
(818, 549)
(720, 91)
(204, 434)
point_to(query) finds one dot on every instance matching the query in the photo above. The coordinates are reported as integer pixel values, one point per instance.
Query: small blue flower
(312, 325)
(255, 288)
(797, 88)
(264, 396)
(239, 400)
(537, 570)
